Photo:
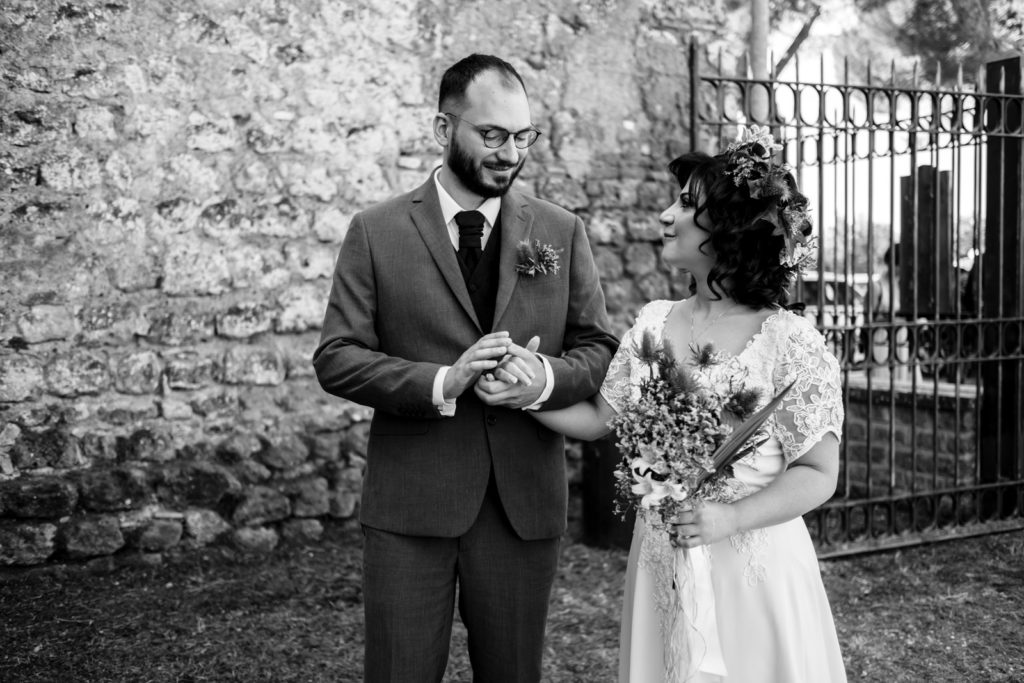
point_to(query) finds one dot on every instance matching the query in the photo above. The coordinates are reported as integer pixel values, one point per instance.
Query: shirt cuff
(444, 407)
(549, 385)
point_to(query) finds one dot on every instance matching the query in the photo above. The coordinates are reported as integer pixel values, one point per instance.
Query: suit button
(473, 288)
(492, 420)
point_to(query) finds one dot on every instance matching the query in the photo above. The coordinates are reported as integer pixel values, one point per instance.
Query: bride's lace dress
(757, 609)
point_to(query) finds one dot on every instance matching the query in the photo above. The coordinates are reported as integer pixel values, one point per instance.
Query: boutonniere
(537, 259)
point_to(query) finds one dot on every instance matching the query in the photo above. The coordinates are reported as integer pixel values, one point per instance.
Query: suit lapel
(516, 225)
(429, 221)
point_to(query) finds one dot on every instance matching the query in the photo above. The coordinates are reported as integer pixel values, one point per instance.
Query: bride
(755, 608)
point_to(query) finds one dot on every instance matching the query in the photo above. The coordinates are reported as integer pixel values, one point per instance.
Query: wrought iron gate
(919, 291)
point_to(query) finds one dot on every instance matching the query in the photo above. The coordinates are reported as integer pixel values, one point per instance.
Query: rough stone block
(126, 412)
(196, 484)
(215, 403)
(47, 323)
(77, 373)
(26, 543)
(609, 263)
(252, 472)
(326, 446)
(565, 192)
(255, 540)
(120, 321)
(191, 177)
(343, 504)
(331, 226)
(113, 489)
(192, 268)
(640, 258)
(239, 447)
(253, 365)
(355, 440)
(311, 261)
(190, 370)
(282, 218)
(159, 534)
(138, 373)
(259, 505)
(654, 285)
(297, 355)
(310, 497)
(211, 136)
(284, 452)
(302, 307)
(644, 228)
(90, 536)
(154, 445)
(314, 181)
(96, 123)
(605, 228)
(98, 448)
(74, 171)
(21, 377)
(245, 320)
(188, 325)
(204, 526)
(174, 409)
(302, 530)
(53, 447)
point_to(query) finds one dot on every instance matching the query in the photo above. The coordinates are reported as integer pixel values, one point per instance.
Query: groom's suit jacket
(399, 309)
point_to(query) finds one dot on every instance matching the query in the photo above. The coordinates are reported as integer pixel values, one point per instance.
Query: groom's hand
(517, 382)
(482, 356)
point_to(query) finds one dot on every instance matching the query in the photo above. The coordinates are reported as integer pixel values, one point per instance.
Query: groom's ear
(443, 129)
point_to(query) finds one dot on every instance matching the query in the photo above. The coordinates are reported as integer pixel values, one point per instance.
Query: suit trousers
(503, 585)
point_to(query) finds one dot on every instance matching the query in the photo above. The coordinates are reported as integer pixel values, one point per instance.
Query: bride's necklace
(694, 335)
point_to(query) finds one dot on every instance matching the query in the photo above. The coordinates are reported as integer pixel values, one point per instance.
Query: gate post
(1002, 404)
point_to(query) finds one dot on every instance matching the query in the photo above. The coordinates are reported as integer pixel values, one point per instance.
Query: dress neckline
(746, 347)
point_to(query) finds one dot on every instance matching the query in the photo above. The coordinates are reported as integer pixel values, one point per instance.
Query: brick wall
(922, 441)
(175, 180)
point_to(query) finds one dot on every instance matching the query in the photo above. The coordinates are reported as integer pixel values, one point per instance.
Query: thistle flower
(743, 403)
(681, 381)
(705, 356)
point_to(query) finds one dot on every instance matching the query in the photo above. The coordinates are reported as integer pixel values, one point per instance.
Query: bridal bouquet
(678, 440)
(678, 445)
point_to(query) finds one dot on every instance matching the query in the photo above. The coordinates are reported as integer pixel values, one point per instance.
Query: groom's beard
(473, 176)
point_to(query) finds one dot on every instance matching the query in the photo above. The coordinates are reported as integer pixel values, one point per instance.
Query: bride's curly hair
(748, 266)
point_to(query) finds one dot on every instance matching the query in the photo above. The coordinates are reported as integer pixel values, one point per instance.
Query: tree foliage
(955, 33)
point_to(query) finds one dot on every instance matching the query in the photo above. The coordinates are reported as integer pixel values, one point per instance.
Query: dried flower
(537, 259)
(751, 162)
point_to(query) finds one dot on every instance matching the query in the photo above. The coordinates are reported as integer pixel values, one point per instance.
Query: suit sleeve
(588, 343)
(348, 361)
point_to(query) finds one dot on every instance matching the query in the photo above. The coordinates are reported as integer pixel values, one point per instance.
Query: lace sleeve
(616, 387)
(814, 407)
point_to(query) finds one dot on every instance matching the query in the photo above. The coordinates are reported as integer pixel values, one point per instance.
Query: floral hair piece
(751, 162)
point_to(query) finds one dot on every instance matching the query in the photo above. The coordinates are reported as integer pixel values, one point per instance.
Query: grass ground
(946, 612)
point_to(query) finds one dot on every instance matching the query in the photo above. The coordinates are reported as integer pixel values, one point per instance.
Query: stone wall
(175, 180)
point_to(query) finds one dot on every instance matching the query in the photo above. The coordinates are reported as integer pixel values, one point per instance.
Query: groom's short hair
(460, 74)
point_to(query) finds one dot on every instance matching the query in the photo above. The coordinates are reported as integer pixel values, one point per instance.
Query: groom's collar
(449, 207)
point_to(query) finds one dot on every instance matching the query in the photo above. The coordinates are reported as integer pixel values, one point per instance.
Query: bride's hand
(705, 523)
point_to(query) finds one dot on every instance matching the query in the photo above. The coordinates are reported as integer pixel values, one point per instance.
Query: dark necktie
(471, 232)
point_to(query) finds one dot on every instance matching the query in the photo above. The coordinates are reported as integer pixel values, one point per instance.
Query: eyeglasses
(496, 137)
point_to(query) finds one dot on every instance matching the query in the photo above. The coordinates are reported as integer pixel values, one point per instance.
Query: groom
(430, 290)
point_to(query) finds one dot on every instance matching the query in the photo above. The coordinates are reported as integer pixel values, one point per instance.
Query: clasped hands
(501, 372)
